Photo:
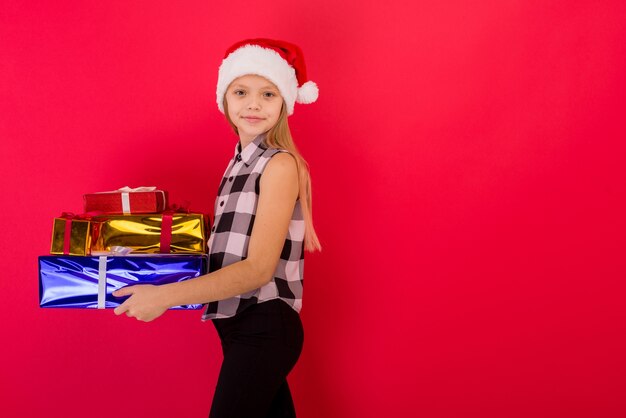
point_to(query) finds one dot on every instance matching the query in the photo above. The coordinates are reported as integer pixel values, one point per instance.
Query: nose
(254, 102)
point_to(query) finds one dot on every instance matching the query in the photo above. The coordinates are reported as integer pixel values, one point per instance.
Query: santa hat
(280, 62)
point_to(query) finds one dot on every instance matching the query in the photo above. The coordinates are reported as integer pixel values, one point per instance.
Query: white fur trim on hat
(253, 59)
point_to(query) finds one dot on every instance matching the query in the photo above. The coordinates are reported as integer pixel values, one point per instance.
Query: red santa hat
(280, 62)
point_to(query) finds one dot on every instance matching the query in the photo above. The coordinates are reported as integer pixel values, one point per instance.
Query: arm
(277, 197)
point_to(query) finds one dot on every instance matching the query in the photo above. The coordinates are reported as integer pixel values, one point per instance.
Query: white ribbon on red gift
(126, 197)
(125, 203)
(125, 192)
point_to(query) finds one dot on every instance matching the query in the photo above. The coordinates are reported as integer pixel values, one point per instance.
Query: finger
(122, 308)
(124, 291)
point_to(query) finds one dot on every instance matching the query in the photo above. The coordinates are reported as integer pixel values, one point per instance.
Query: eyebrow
(266, 87)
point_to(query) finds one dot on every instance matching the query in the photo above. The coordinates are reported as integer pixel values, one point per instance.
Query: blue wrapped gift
(87, 282)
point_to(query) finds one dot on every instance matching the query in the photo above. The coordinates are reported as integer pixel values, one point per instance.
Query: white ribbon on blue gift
(102, 281)
(102, 271)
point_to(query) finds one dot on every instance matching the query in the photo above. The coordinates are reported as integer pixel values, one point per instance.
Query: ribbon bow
(127, 189)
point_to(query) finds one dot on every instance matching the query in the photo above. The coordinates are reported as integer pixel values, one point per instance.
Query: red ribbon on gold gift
(166, 226)
(68, 216)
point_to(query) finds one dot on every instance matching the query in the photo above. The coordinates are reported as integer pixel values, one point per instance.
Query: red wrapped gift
(127, 201)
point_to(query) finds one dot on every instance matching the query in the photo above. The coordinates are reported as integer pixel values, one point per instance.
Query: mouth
(252, 119)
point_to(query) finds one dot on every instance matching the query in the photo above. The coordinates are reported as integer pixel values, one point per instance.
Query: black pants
(261, 345)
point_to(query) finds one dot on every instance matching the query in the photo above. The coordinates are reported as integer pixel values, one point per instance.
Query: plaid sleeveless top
(235, 209)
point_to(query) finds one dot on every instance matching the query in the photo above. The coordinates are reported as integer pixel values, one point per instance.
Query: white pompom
(307, 93)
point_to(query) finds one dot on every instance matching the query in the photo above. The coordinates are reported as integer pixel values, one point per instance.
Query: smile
(252, 119)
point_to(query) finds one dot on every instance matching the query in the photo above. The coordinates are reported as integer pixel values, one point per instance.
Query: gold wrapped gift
(79, 239)
(142, 233)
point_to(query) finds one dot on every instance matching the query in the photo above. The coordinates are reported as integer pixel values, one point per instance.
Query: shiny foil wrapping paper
(73, 282)
(79, 240)
(143, 233)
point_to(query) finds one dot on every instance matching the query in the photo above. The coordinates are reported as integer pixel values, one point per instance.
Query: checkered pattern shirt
(235, 209)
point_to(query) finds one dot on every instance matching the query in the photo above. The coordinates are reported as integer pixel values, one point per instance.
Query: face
(254, 105)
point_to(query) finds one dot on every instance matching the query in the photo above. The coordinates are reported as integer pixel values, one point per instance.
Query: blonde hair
(279, 136)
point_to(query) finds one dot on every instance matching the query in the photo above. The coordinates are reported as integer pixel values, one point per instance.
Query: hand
(145, 302)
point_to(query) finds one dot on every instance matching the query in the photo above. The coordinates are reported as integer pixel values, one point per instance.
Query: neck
(245, 140)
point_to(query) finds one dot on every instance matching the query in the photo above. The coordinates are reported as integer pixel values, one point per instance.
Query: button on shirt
(235, 210)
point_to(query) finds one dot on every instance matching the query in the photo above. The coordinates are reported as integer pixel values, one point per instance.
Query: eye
(269, 94)
(239, 92)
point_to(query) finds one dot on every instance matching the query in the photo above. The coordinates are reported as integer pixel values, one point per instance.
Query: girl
(262, 225)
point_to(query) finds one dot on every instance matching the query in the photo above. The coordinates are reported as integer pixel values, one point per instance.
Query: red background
(469, 191)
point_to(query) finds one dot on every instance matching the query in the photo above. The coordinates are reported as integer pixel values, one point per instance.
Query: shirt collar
(251, 152)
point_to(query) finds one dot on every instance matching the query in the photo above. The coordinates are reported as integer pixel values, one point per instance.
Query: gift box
(88, 282)
(175, 233)
(127, 201)
(71, 235)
